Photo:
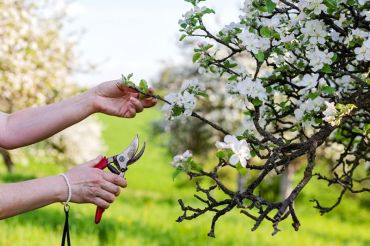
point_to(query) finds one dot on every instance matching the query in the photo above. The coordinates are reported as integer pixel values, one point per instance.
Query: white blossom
(316, 6)
(180, 161)
(335, 36)
(272, 22)
(308, 81)
(193, 86)
(253, 42)
(314, 31)
(330, 113)
(318, 58)
(362, 2)
(251, 88)
(240, 148)
(308, 106)
(363, 52)
(184, 100)
(193, 11)
(230, 27)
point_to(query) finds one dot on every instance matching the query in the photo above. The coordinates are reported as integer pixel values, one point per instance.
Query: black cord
(66, 227)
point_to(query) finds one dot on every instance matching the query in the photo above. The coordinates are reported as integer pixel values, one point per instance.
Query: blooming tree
(309, 87)
(36, 60)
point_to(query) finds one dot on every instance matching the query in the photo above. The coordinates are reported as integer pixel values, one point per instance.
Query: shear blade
(137, 156)
(131, 150)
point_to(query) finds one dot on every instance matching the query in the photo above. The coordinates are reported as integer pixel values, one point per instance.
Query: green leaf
(176, 173)
(266, 32)
(202, 94)
(222, 154)
(176, 110)
(367, 127)
(208, 11)
(357, 130)
(256, 102)
(313, 95)
(328, 90)
(326, 69)
(196, 57)
(260, 56)
(332, 4)
(183, 37)
(334, 58)
(233, 77)
(143, 86)
(195, 166)
(270, 6)
(130, 76)
(242, 170)
(253, 153)
(228, 64)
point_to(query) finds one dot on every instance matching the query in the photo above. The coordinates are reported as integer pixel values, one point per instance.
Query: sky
(139, 37)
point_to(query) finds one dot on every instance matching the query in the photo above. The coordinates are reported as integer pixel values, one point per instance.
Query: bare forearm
(28, 195)
(31, 125)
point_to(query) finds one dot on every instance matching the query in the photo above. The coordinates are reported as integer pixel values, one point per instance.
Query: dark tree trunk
(7, 160)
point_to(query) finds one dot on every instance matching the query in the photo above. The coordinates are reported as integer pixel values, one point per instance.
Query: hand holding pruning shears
(120, 165)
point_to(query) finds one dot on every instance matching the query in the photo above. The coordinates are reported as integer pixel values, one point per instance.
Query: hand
(92, 185)
(113, 98)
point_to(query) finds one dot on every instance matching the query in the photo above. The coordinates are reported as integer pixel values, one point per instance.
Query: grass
(146, 211)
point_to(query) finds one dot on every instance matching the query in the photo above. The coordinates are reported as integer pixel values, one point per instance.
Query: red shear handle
(99, 211)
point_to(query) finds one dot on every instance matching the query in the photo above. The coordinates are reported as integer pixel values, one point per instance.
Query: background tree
(36, 61)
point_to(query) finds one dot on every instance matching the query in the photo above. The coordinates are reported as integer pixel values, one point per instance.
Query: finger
(151, 91)
(149, 102)
(137, 104)
(106, 196)
(100, 202)
(115, 179)
(134, 94)
(128, 90)
(110, 187)
(130, 113)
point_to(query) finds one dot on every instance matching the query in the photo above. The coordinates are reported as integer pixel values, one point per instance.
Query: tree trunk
(7, 160)
(287, 180)
(240, 182)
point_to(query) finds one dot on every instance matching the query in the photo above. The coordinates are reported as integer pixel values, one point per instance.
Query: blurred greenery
(146, 211)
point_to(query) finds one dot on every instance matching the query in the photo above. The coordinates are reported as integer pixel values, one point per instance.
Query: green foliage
(127, 81)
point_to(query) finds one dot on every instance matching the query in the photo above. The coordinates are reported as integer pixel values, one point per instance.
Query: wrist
(93, 100)
(61, 190)
(89, 99)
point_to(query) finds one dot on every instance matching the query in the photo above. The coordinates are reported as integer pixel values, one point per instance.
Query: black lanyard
(66, 227)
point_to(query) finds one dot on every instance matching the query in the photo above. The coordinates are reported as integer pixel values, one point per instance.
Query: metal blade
(127, 154)
(131, 150)
(137, 156)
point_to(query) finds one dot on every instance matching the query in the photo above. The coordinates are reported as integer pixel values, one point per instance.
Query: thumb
(94, 162)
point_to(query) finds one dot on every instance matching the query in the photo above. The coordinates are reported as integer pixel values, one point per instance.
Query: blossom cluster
(184, 102)
(240, 148)
(182, 160)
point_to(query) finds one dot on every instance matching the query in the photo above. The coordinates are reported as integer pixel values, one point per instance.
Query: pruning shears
(121, 162)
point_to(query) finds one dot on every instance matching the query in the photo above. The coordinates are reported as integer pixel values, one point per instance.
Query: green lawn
(146, 211)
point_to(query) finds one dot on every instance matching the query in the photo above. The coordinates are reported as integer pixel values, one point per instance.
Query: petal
(221, 145)
(229, 139)
(243, 162)
(234, 159)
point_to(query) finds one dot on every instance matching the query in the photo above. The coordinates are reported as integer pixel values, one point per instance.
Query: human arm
(89, 185)
(31, 125)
